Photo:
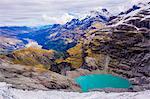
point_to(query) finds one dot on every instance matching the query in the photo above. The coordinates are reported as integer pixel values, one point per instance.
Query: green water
(101, 81)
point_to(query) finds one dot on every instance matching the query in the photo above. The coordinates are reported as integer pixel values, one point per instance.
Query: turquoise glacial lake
(94, 81)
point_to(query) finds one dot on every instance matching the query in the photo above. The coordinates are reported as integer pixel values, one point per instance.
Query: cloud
(58, 20)
(40, 12)
(33, 44)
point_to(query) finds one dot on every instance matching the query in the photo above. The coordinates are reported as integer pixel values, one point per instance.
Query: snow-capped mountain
(61, 37)
(103, 14)
(136, 17)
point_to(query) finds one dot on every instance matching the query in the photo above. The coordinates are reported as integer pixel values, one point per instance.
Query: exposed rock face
(139, 17)
(129, 52)
(31, 78)
(128, 46)
(61, 68)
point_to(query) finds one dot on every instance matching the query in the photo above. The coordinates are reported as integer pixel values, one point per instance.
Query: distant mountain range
(100, 43)
(62, 37)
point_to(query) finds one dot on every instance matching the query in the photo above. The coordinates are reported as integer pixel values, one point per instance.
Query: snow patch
(9, 93)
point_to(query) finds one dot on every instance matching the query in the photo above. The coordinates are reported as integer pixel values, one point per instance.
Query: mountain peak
(102, 11)
(103, 14)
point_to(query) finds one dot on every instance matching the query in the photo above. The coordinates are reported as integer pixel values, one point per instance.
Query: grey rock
(29, 78)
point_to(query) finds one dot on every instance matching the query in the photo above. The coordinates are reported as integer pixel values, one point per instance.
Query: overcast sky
(40, 12)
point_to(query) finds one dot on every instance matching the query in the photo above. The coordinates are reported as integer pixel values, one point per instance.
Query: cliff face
(124, 48)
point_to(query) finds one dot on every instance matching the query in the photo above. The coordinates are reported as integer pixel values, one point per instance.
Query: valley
(50, 57)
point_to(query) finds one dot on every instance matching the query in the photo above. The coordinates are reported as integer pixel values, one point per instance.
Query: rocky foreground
(10, 93)
(33, 78)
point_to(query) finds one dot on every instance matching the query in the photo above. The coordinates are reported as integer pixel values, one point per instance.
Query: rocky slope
(133, 16)
(8, 38)
(8, 44)
(34, 78)
(123, 48)
(33, 56)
